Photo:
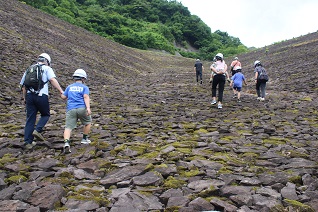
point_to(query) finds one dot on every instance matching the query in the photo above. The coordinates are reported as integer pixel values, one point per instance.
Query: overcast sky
(257, 22)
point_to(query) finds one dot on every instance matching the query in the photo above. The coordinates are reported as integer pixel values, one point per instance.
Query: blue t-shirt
(238, 79)
(75, 95)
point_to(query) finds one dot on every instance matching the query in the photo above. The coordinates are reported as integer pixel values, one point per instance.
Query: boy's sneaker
(238, 100)
(262, 99)
(67, 147)
(201, 82)
(30, 146)
(85, 141)
(38, 135)
(219, 106)
(259, 98)
(234, 96)
(213, 102)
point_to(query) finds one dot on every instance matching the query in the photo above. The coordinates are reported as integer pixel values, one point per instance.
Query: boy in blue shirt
(78, 107)
(237, 79)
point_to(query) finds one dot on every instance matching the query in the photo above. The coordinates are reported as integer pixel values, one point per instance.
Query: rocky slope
(157, 145)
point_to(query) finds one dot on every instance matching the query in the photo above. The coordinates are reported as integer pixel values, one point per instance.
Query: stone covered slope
(157, 143)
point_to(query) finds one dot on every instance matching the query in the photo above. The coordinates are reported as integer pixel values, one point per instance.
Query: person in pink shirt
(220, 72)
(234, 66)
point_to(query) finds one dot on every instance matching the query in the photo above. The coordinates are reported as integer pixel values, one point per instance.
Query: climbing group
(219, 76)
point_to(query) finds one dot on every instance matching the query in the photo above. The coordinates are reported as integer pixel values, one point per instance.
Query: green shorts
(73, 115)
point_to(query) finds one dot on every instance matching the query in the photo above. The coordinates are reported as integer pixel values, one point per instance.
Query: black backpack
(33, 78)
(263, 77)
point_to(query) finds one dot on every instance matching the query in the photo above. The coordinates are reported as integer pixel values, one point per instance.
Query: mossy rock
(16, 179)
(7, 158)
(298, 206)
(172, 182)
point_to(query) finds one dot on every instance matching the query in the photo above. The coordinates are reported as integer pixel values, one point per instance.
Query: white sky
(257, 22)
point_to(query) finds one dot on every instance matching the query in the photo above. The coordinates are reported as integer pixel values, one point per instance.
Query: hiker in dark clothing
(198, 68)
(38, 101)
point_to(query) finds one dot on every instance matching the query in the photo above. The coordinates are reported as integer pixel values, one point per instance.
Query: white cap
(80, 73)
(219, 55)
(46, 56)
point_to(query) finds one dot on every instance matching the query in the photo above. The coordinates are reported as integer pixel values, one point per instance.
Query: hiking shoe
(219, 106)
(234, 96)
(85, 141)
(67, 147)
(262, 99)
(213, 102)
(238, 100)
(29, 146)
(258, 98)
(38, 135)
(201, 82)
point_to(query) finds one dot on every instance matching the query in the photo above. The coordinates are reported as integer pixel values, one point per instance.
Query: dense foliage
(145, 24)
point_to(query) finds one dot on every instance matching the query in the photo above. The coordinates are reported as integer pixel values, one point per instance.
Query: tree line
(145, 24)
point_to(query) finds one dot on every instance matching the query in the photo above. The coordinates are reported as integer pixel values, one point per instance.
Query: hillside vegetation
(157, 24)
(157, 143)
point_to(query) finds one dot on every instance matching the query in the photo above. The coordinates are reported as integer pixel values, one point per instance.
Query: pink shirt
(235, 64)
(220, 65)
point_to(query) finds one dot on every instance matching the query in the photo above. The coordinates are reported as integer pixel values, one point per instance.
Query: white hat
(219, 55)
(46, 56)
(80, 73)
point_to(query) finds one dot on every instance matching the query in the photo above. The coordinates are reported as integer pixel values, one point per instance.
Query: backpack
(33, 78)
(263, 77)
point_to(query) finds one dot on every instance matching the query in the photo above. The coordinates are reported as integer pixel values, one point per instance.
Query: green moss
(163, 165)
(201, 131)
(208, 192)
(61, 180)
(10, 127)
(250, 155)
(307, 98)
(195, 157)
(224, 170)
(67, 175)
(295, 154)
(239, 124)
(183, 144)
(296, 180)
(88, 193)
(190, 173)
(122, 135)
(172, 209)
(7, 158)
(257, 169)
(149, 167)
(140, 148)
(298, 206)
(120, 148)
(150, 155)
(16, 179)
(172, 182)
(228, 138)
(140, 132)
(275, 141)
(294, 111)
(184, 150)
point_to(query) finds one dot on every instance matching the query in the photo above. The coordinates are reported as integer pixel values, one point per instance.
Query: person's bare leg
(67, 134)
(86, 129)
